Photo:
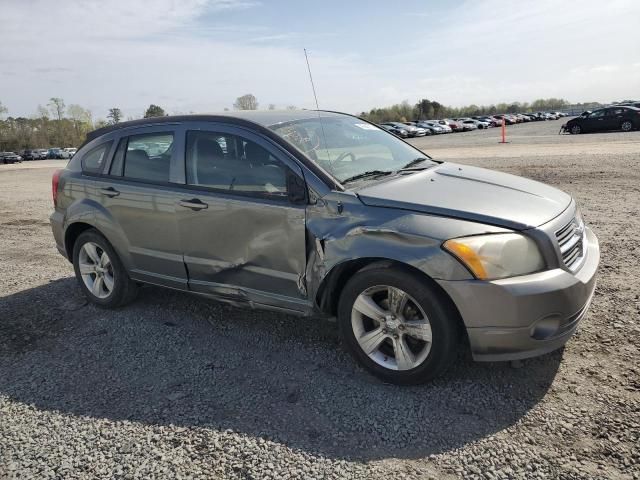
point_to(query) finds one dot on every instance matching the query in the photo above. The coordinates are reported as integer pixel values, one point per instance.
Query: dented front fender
(341, 229)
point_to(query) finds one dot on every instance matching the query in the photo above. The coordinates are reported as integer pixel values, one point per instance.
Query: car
(546, 116)
(70, 151)
(628, 104)
(319, 213)
(10, 157)
(441, 127)
(604, 119)
(57, 153)
(454, 125)
(447, 128)
(412, 129)
(470, 121)
(468, 126)
(401, 132)
(487, 119)
(507, 119)
(30, 154)
(42, 153)
(428, 129)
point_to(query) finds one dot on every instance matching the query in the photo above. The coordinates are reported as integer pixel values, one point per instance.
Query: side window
(93, 161)
(598, 114)
(148, 157)
(231, 163)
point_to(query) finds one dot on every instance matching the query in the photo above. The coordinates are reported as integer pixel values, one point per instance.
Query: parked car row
(45, 153)
(420, 128)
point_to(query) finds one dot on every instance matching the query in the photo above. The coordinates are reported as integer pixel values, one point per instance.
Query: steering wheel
(342, 156)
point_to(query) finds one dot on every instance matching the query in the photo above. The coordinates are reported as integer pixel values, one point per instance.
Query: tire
(112, 273)
(575, 129)
(626, 126)
(408, 331)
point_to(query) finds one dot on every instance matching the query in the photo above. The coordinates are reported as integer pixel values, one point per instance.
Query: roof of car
(266, 118)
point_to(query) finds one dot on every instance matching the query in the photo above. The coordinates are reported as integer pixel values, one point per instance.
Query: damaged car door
(242, 219)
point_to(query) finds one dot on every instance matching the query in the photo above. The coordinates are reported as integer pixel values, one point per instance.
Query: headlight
(500, 255)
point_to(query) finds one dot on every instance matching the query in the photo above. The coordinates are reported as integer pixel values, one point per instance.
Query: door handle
(109, 192)
(194, 204)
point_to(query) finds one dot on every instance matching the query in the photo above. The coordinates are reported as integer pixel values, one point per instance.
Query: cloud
(199, 55)
(111, 19)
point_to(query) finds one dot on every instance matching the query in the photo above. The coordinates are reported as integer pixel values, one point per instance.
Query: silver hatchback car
(324, 214)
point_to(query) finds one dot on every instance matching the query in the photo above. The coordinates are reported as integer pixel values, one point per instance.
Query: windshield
(347, 146)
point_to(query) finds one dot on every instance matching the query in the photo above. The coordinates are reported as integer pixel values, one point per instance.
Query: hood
(470, 193)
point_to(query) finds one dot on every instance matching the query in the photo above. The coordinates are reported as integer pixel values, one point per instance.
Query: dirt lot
(175, 386)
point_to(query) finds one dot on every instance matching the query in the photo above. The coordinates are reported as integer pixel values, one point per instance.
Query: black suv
(31, 155)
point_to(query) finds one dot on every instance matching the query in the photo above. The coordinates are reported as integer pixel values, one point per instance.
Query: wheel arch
(111, 233)
(71, 234)
(330, 289)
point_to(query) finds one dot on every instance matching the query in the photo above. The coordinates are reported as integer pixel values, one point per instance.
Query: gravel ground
(174, 386)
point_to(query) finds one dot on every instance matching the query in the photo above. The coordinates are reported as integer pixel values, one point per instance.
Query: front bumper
(526, 316)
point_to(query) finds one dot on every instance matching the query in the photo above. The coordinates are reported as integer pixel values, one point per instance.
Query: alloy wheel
(626, 126)
(391, 327)
(96, 270)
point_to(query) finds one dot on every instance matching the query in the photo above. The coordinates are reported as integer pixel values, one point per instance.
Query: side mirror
(296, 189)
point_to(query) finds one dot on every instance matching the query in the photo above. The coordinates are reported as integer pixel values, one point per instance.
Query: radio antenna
(313, 87)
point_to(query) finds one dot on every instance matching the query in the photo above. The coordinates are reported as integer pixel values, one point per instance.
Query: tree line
(427, 109)
(56, 125)
(59, 125)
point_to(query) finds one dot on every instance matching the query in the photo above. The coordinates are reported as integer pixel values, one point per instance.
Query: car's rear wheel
(575, 129)
(626, 126)
(100, 273)
(397, 325)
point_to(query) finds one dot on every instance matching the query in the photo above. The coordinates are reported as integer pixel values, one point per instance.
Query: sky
(200, 55)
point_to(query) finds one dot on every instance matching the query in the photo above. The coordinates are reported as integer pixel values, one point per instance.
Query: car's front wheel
(100, 273)
(626, 126)
(397, 325)
(575, 129)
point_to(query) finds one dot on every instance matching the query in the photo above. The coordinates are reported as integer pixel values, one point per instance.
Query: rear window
(93, 161)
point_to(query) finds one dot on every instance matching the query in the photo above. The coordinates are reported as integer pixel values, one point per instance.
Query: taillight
(55, 181)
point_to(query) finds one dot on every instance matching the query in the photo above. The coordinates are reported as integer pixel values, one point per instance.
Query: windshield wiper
(370, 173)
(415, 162)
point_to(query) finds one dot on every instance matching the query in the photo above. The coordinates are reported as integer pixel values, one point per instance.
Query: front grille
(571, 243)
